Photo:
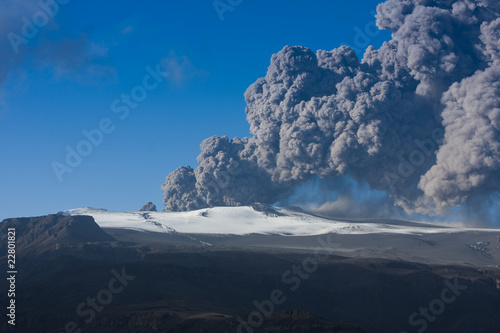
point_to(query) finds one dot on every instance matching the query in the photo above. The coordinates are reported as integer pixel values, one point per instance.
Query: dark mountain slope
(43, 233)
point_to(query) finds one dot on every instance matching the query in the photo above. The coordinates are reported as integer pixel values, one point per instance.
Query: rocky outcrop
(42, 233)
(148, 207)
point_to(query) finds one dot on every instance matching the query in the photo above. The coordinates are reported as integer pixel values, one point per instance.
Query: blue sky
(64, 79)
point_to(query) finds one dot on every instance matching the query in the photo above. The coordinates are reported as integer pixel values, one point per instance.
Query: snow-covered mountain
(294, 230)
(246, 220)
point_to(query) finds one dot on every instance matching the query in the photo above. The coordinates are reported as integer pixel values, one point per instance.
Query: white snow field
(289, 229)
(246, 220)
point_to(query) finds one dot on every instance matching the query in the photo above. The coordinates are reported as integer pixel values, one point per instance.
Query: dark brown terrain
(63, 261)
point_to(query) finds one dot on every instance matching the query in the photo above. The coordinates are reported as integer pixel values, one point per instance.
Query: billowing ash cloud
(419, 117)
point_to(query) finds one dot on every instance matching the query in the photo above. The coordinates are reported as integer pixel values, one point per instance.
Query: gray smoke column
(418, 118)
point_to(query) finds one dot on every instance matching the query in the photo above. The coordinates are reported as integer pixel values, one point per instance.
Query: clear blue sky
(64, 79)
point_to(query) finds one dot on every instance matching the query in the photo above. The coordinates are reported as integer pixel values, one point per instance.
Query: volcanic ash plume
(418, 118)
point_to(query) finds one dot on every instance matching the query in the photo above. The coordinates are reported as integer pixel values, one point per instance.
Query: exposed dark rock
(266, 209)
(148, 207)
(39, 234)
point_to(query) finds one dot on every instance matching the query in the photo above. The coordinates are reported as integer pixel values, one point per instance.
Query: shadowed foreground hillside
(97, 285)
